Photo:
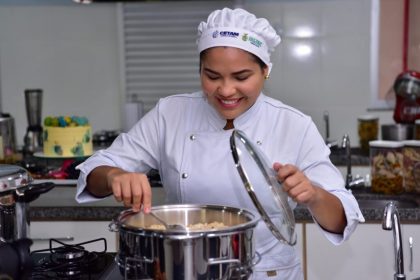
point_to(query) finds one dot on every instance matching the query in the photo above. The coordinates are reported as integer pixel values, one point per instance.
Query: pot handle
(256, 259)
(213, 261)
(114, 224)
(235, 266)
(32, 191)
(113, 227)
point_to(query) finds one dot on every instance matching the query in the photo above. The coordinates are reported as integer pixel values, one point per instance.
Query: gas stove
(73, 261)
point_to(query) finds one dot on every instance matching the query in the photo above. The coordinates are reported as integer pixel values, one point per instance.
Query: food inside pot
(192, 227)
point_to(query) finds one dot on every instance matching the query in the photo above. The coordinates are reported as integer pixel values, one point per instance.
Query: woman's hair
(254, 57)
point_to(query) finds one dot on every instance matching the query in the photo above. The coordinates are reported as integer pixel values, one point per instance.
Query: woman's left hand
(326, 208)
(295, 183)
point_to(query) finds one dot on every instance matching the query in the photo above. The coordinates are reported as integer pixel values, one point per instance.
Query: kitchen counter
(59, 205)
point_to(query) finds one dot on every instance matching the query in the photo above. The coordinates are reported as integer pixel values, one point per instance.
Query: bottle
(368, 131)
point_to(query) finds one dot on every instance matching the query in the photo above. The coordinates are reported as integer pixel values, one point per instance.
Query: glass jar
(386, 165)
(368, 131)
(411, 153)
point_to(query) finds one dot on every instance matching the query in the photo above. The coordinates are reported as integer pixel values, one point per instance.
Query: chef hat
(240, 29)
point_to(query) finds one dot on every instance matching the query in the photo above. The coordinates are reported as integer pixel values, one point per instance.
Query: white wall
(71, 51)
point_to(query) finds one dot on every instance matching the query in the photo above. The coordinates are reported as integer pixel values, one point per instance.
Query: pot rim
(180, 234)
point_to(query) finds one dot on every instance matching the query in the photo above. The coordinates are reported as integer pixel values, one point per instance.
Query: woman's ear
(266, 73)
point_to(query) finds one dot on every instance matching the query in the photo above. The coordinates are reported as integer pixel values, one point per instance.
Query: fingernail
(146, 210)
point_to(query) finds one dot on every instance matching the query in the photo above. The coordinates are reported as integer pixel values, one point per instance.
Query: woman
(186, 137)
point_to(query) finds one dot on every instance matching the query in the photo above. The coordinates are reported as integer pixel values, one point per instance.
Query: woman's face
(232, 80)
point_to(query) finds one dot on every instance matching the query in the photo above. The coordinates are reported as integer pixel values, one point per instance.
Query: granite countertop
(59, 205)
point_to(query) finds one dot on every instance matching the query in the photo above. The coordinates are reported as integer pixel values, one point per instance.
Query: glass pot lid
(261, 183)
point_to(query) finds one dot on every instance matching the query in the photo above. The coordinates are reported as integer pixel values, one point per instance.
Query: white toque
(240, 29)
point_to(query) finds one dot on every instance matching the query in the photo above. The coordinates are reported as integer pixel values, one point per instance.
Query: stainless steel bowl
(397, 132)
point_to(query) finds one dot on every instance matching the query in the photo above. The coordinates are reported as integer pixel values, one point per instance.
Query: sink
(369, 202)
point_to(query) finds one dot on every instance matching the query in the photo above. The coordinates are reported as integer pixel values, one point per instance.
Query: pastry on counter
(67, 137)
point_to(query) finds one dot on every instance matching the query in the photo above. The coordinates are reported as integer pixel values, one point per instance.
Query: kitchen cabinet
(414, 232)
(369, 254)
(72, 232)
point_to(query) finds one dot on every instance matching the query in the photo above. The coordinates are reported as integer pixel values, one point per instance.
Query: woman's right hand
(133, 189)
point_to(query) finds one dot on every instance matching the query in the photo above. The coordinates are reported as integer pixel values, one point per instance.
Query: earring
(266, 77)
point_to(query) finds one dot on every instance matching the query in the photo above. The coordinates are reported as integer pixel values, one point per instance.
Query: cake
(67, 137)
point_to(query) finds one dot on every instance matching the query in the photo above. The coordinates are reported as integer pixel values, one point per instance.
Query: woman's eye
(242, 78)
(212, 77)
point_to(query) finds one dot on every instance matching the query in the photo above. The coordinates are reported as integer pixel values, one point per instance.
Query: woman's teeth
(229, 102)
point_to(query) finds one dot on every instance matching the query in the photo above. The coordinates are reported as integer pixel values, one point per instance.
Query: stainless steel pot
(222, 253)
(17, 190)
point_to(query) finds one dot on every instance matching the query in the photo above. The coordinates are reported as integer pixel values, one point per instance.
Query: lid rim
(250, 190)
(386, 144)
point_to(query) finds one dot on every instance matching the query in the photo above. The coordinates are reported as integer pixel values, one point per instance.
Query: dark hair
(256, 58)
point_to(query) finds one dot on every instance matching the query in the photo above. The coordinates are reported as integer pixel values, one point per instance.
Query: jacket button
(192, 137)
(184, 175)
(259, 142)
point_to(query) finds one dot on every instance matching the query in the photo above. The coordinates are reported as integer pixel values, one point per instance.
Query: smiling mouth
(229, 102)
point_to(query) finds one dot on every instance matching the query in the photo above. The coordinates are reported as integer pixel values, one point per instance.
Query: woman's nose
(226, 88)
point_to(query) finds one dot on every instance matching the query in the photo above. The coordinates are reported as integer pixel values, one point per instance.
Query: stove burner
(68, 261)
(70, 253)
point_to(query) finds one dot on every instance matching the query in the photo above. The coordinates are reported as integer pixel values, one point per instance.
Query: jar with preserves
(386, 162)
(368, 131)
(411, 153)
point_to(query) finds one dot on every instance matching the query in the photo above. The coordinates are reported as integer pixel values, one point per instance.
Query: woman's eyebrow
(245, 71)
(209, 70)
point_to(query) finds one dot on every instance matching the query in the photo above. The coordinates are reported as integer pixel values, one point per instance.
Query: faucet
(350, 182)
(345, 144)
(391, 221)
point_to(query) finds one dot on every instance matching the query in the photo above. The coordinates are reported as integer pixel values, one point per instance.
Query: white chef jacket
(183, 138)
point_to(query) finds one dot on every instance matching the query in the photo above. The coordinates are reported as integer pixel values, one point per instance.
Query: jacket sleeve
(134, 151)
(315, 162)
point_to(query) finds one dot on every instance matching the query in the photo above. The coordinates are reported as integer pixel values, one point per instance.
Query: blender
(33, 136)
(407, 92)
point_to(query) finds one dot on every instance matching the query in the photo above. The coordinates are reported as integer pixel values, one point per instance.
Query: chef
(186, 138)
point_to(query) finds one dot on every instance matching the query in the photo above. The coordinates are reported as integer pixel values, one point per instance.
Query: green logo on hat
(252, 40)
(255, 42)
